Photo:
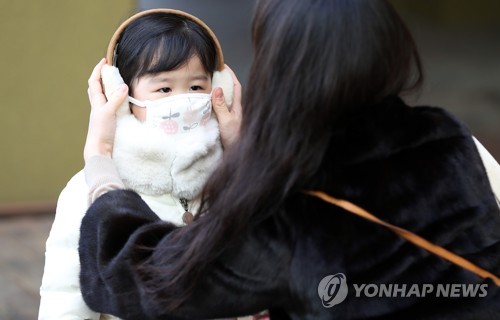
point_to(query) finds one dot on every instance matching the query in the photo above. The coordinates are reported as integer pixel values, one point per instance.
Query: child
(166, 142)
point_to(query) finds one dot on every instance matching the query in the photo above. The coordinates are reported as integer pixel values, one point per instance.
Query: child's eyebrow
(199, 77)
(160, 79)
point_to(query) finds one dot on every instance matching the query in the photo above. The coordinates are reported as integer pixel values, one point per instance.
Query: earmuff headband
(110, 54)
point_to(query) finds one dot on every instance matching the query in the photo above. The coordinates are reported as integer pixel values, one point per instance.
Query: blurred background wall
(459, 42)
(50, 47)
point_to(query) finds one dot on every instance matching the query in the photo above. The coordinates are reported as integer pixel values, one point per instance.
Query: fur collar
(153, 163)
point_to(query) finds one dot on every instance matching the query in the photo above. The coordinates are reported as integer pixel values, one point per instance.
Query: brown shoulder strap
(408, 235)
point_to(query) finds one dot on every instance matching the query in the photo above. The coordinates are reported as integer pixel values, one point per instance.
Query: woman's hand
(229, 118)
(102, 124)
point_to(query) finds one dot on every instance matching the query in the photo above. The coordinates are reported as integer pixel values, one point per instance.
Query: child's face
(191, 77)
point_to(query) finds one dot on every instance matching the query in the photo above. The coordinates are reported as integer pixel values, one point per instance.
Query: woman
(322, 113)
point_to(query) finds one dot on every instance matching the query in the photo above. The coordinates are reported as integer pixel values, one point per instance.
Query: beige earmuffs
(112, 79)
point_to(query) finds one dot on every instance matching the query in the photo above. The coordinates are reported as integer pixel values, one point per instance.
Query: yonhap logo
(333, 289)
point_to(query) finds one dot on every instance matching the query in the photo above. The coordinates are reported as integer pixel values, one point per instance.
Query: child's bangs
(166, 54)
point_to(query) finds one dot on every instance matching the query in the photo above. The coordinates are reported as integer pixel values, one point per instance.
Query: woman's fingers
(102, 124)
(95, 92)
(219, 105)
(237, 91)
(229, 119)
(117, 98)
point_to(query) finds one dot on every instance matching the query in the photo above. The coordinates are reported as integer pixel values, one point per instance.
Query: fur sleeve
(113, 234)
(120, 234)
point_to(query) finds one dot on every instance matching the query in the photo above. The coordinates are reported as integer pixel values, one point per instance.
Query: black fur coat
(417, 168)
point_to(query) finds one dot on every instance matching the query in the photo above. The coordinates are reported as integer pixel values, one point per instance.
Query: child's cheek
(139, 113)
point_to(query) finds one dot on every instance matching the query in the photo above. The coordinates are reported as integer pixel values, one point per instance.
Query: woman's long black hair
(314, 63)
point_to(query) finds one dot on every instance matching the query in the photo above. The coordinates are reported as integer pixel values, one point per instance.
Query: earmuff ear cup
(224, 80)
(111, 80)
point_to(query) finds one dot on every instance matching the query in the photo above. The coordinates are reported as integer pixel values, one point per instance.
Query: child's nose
(180, 91)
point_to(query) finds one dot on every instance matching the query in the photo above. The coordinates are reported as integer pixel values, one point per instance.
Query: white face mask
(177, 114)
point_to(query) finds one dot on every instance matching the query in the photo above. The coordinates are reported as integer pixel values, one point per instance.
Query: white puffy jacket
(60, 291)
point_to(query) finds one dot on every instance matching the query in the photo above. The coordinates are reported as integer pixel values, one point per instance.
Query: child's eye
(196, 88)
(165, 90)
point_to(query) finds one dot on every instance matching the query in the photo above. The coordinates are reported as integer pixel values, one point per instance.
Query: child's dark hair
(162, 42)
